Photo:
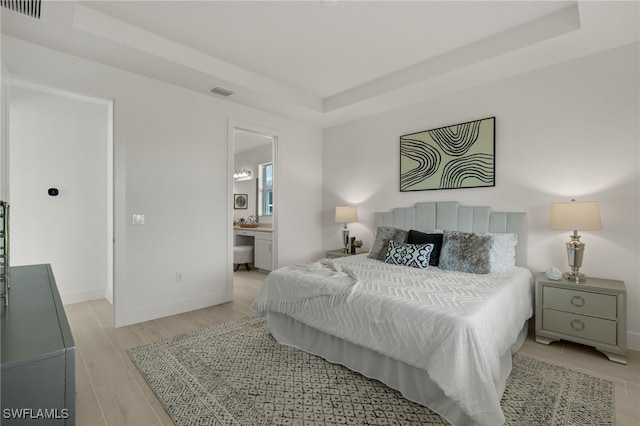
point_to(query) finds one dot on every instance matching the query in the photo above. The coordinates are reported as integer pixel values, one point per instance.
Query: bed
(441, 335)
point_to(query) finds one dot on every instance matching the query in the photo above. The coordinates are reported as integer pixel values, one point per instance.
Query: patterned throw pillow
(414, 255)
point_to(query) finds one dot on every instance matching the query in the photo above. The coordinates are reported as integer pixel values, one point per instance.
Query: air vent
(30, 8)
(221, 91)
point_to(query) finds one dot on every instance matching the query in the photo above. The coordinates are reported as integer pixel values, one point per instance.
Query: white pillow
(502, 254)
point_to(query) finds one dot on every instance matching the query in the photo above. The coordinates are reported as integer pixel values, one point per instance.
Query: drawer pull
(577, 301)
(577, 325)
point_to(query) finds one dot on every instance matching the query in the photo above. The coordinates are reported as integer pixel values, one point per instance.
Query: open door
(253, 191)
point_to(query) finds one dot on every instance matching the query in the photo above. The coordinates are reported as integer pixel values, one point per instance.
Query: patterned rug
(236, 374)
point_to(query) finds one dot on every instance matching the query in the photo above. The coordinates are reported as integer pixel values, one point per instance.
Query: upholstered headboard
(451, 216)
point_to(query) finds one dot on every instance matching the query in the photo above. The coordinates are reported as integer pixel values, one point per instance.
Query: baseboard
(82, 296)
(109, 294)
(135, 316)
(633, 341)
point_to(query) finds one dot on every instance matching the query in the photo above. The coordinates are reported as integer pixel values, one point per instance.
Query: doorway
(253, 180)
(61, 188)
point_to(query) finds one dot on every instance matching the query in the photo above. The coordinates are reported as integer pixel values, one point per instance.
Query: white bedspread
(453, 325)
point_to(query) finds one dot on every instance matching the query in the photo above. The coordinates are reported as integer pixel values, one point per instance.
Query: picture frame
(450, 157)
(240, 201)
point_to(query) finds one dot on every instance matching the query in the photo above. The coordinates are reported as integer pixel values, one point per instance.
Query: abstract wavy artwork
(458, 156)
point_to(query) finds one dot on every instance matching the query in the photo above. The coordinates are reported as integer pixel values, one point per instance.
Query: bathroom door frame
(232, 127)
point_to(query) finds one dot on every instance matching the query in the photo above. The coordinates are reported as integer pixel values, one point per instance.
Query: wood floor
(111, 391)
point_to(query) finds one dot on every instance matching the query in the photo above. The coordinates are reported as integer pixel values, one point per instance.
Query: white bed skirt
(413, 383)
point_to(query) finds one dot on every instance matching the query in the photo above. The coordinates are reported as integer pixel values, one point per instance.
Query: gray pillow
(481, 253)
(384, 234)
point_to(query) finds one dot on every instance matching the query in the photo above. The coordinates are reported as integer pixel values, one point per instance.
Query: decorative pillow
(384, 234)
(417, 237)
(481, 253)
(414, 255)
(503, 252)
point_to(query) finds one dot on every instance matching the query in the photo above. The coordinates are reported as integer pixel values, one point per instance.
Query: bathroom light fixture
(242, 174)
(346, 214)
(574, 216)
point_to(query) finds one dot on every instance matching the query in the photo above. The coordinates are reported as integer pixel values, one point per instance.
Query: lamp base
(575, 253)
(345, 238)
(575, 277)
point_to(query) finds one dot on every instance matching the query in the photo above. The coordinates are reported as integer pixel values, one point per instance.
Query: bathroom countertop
(258, 229)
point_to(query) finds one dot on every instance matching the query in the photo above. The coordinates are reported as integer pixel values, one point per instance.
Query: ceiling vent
(221, 91)
(30, 8)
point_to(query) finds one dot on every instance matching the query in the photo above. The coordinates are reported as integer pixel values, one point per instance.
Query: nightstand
(339, 253)
(592, 313)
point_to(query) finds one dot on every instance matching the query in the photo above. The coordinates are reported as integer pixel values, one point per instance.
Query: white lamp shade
(346, 214)
(575, 216)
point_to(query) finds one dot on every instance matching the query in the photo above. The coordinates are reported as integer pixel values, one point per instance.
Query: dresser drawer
(582, 302)
(246, 233)
(597, 329)
(264, 235)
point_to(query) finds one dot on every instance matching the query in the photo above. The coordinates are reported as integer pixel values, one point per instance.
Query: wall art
(451, 157)
(240, 201)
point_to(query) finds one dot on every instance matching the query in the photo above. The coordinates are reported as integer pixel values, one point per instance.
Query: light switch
(137, 219)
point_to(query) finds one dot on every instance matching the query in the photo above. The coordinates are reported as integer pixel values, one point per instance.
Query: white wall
(248, 187)
(570, 130)
(171, 165)
(4, 133)
(60, 142)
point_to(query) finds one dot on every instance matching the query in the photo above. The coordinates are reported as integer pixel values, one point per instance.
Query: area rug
(236, 374)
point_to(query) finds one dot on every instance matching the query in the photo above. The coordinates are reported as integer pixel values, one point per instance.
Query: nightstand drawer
(597, 329)
(582, 302)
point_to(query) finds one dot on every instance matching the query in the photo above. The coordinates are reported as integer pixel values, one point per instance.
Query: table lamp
(346, 214)
(575, 216)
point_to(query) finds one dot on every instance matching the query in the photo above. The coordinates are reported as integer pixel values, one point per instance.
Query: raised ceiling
(326, 66)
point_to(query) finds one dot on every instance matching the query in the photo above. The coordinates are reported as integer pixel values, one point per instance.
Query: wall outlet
(179, 277)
